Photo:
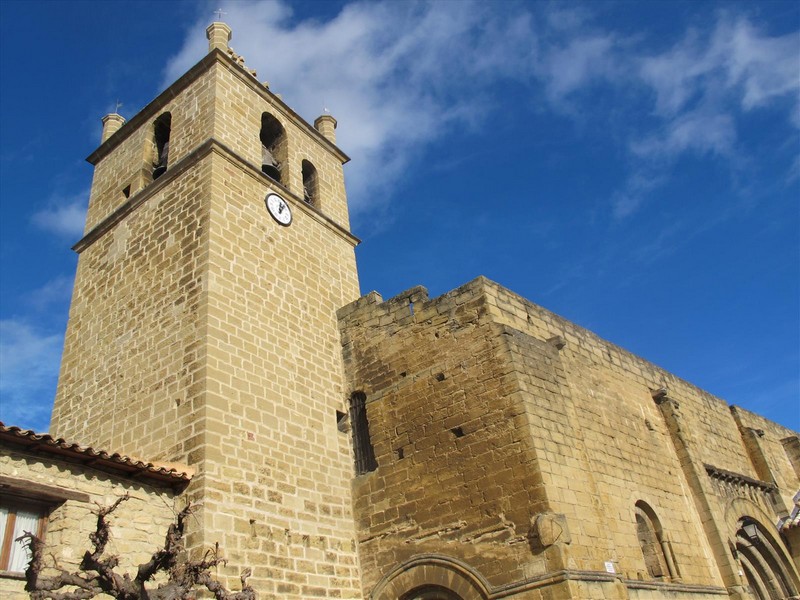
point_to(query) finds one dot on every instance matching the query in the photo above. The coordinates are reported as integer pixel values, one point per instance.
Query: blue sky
(632, 166)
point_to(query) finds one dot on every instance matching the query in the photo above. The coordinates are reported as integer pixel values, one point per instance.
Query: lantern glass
(751, 531)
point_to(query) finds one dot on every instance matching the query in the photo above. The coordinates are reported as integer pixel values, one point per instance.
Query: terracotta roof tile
(100, 459)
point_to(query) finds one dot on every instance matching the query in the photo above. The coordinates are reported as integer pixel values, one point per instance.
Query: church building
(473, 446)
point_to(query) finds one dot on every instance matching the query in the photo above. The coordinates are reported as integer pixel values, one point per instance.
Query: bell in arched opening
(273, 147)
(161, 133)
(269, 164)
(310, 183)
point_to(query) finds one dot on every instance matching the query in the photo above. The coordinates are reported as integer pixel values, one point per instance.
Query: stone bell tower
(203, 321)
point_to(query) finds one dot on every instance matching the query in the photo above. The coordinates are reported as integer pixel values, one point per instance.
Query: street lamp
(751, 531)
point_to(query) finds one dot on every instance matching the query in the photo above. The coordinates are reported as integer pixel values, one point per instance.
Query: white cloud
(55, 293)
(399, 76)
(701, 132)
(735, 61)
(765, 68)
(30, 354)
(634, 193)
(702, 86)
(396, 75)
(583, 61)
(794, 171)
(29, 361)
(64, 216)
(675, 75)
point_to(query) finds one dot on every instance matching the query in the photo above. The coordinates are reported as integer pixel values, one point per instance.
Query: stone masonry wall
(201, 331)
(456, 471)
(131, 160)
(239, 103)
(615, 392)
(711, 418)
(770, 446)
(276, 471)
(138, 526)
(596, 439)
(133, 363)
(599, 461)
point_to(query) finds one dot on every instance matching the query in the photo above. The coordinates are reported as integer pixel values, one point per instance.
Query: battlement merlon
(218, 34)
(505, 307)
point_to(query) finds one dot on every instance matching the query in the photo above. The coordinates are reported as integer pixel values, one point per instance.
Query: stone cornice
(557, 577)
(738, 478)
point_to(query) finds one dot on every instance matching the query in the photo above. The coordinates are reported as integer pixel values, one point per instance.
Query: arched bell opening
(766, 569)
(310, 184)
(273, 147)
(161, 131)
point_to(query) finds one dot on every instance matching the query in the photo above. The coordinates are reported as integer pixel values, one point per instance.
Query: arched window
(651, 541)
(310, 184)
(765, 567)
(362, 444)
(161, 132)
(273, 147)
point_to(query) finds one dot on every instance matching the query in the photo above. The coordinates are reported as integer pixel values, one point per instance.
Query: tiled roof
(119, 464)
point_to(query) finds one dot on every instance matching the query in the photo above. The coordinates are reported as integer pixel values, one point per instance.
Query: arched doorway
(431, 577)
(766, 569)
(431, 592)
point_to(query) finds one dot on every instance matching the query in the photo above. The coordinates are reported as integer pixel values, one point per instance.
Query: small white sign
(610, 567)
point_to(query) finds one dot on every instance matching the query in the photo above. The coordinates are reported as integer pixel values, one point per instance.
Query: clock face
(279, 209)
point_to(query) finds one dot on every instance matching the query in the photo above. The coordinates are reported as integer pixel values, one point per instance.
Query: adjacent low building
(52, 488)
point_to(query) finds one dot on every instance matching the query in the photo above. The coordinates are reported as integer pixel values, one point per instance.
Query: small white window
(18, 516)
